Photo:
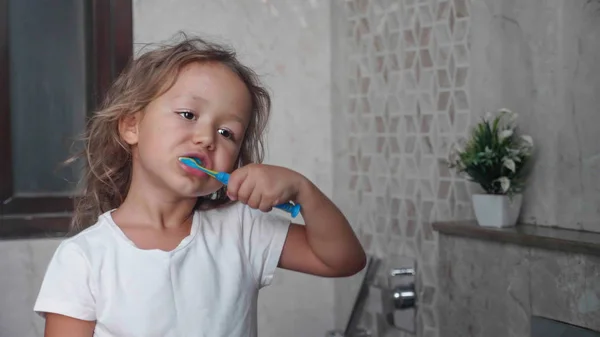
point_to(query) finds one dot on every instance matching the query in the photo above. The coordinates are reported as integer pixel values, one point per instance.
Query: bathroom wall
(22, 269)
(401, 97)
(410, 76)
(484, 295)
(541, 58)
(288, 44)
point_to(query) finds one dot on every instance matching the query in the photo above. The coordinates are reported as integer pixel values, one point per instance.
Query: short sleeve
(66, 287)
(264, 235)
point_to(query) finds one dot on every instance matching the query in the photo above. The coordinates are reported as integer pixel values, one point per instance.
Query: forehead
(215, 84)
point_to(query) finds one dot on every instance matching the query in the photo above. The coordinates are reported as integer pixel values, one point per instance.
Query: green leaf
(483, 157)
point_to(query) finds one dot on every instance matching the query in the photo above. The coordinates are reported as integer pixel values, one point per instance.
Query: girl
(171, 252)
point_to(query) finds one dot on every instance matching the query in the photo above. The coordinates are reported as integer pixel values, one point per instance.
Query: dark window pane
(48, 91)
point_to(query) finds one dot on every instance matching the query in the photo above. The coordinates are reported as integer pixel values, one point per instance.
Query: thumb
(236, 179)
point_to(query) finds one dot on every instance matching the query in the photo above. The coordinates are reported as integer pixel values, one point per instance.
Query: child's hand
(264, 186)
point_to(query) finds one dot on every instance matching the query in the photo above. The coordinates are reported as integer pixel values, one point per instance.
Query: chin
(189, 191)
(202, 194)
(197, 187)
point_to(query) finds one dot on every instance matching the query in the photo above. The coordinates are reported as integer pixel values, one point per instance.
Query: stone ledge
(568, 240)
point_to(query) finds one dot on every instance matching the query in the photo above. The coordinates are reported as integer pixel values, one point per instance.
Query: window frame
(109, 47)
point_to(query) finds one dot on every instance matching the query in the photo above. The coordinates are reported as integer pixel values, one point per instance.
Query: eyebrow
(192, 96)
(236, 118)
(195, 97)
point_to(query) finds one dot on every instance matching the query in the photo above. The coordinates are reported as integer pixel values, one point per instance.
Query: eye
(226, 133)
(187, 115)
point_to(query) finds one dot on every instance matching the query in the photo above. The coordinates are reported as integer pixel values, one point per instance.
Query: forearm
(328, 232)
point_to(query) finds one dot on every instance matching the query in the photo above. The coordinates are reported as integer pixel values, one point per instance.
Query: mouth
(204, 160)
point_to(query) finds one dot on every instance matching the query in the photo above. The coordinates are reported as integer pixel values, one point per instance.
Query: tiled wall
(401, 76)
(416, 73)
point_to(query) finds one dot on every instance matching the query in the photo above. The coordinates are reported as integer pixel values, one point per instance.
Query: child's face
(204, 115)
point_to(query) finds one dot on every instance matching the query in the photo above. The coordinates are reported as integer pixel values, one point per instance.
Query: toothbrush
(223, 177)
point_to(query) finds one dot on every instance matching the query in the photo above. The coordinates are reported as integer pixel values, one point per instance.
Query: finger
(281, 198)
(266, 204)
(255, 199)
(245, 190)
(236, 179)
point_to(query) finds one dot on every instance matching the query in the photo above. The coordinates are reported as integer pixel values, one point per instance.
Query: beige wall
(541, 58)
(288, 43)
(22, 269)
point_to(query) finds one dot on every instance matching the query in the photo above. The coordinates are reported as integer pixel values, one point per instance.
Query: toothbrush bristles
(198, 162)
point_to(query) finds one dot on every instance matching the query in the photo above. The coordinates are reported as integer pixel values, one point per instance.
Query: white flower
(504, 184)
(505, 134)
(509, 118)
(509, 164)
(488, 117)
(514, 155)
(528, 140)
(454, 154)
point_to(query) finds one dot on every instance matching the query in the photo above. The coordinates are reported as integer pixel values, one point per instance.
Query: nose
(204, 135)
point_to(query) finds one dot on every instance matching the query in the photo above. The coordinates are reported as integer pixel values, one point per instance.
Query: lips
(206, 162)
(204, 158)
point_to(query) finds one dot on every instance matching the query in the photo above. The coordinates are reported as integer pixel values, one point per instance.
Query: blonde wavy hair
(107, 161)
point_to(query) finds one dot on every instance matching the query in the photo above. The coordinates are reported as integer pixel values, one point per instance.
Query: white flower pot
(497, 210)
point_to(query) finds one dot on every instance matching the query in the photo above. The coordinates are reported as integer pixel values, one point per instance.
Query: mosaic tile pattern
(407, 100)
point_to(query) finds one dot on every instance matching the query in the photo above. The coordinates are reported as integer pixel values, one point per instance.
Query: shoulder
(88, 241)
(68, 285)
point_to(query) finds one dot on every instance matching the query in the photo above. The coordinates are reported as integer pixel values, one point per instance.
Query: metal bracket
(403, 298)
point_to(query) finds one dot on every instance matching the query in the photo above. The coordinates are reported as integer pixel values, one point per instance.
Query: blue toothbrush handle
(223, 177)
(293, 209)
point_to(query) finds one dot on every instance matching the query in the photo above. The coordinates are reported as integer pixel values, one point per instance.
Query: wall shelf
(553, 238)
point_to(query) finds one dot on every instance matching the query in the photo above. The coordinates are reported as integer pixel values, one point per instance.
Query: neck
(148, 205)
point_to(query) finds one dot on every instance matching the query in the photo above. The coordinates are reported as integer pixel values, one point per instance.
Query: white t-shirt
(207, 286)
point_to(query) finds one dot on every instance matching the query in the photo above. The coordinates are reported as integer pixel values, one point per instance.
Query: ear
(129, 128)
